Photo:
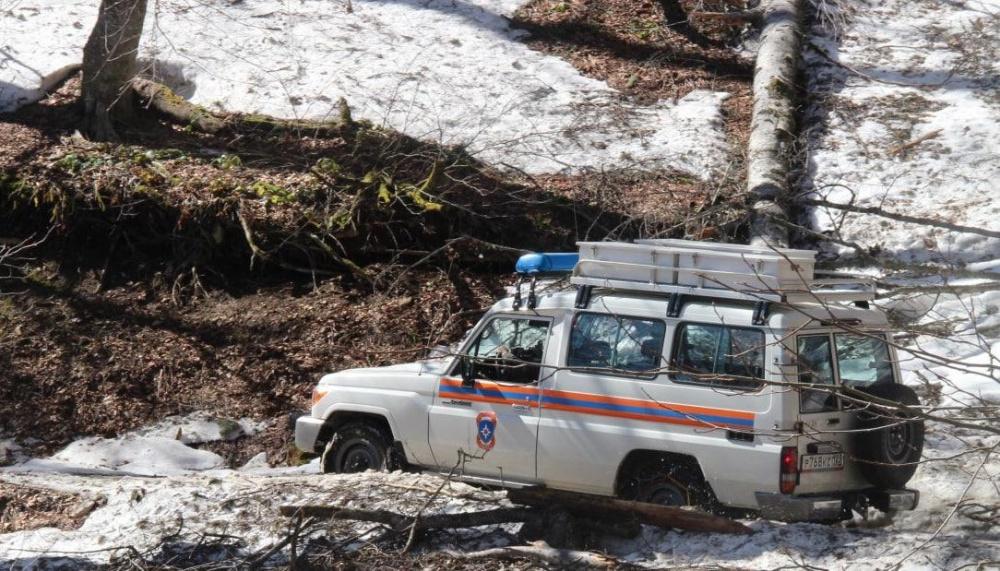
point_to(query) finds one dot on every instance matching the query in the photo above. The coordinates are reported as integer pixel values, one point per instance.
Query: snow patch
(157, 450)
(914, 128)
(199, 427)
(140, 456)
(439, 70)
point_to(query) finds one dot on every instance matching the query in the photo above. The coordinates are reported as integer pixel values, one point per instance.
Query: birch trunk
(772, 126)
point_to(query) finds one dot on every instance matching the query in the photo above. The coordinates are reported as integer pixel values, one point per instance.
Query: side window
(625, 344)
(815, 364)
(720, 355)
(510, 349)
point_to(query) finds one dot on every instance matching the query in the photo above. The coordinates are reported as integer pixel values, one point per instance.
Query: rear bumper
(833, 507)
(307, 431)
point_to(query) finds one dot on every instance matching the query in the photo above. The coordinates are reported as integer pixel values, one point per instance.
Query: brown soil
(23, 508)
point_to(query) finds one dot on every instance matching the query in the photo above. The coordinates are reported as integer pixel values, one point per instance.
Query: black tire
(890, 442)
(669, 484)
(357, 447)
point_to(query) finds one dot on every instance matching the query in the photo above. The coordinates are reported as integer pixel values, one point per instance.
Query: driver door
(492, 423)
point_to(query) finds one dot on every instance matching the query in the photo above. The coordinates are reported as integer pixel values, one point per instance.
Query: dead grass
(23, 508)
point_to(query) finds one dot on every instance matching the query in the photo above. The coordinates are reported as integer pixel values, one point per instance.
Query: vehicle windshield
(862, 360)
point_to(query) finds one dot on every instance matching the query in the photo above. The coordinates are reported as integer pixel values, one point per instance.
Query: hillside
(182, 291)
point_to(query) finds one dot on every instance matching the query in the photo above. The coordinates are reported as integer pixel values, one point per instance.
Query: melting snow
(450, 71)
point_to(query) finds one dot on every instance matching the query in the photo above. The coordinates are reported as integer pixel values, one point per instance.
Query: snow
(199, 427)
(156, 450)
(454, 72)
(942, 58)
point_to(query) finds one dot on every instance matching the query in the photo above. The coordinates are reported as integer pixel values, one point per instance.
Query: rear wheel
(668, 483)
(890, 442)
(357, 447)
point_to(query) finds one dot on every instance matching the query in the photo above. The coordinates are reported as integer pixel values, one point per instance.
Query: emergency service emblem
(486, 430)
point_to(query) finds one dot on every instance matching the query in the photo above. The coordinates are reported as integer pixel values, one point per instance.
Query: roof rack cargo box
(712, 269)
(703, 265)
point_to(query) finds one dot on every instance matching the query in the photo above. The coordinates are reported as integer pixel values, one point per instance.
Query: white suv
(676, 373)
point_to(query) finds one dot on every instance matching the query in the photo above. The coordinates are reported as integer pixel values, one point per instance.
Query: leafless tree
(109, 64)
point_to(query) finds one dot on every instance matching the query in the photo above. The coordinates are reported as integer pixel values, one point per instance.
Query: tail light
(789, 469)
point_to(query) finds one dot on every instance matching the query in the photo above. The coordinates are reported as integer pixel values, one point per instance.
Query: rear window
(626, 344)
(862, 360)
(719, 355)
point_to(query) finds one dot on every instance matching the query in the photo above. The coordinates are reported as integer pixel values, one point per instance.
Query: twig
(902, 217)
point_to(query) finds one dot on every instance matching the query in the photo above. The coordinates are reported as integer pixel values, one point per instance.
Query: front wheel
(358, 447)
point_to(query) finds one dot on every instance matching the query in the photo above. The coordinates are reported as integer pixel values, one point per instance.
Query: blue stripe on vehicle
(652, 409)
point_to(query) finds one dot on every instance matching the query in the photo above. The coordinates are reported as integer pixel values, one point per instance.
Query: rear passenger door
(598, 403)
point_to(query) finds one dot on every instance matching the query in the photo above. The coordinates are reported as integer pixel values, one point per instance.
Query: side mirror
(468, 375)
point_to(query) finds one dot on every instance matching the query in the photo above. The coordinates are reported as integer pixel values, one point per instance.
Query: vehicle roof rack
(714, 270)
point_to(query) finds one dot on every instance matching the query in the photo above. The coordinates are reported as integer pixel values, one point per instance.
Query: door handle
(520, 407)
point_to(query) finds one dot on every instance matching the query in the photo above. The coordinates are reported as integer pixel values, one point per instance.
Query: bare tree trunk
(109, 64)
(772, 126)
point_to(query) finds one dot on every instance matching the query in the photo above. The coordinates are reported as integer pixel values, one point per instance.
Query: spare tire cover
(890, 442)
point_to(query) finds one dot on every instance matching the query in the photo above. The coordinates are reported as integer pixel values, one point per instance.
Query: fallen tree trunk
(399, 521)
(163, 99)
(773, 125)
(544, 507)
(602, 507)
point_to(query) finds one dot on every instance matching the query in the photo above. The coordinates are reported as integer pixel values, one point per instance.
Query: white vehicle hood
(429, 367)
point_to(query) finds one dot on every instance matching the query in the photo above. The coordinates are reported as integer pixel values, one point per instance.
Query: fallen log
(602, 507)
(400, 522)
(773, 122)
(163, 99)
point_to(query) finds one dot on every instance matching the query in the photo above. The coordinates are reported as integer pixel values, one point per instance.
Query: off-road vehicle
(665, 371)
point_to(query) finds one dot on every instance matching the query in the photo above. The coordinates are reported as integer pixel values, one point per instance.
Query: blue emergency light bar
(546, 263)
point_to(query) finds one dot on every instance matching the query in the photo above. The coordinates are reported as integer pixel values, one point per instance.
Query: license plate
(822, 462)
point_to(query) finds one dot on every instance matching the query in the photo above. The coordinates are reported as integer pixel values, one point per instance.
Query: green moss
(229, 429)
(227, 162)
(272, 193)
(74, 163)
(297, 457)
(328, 166)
